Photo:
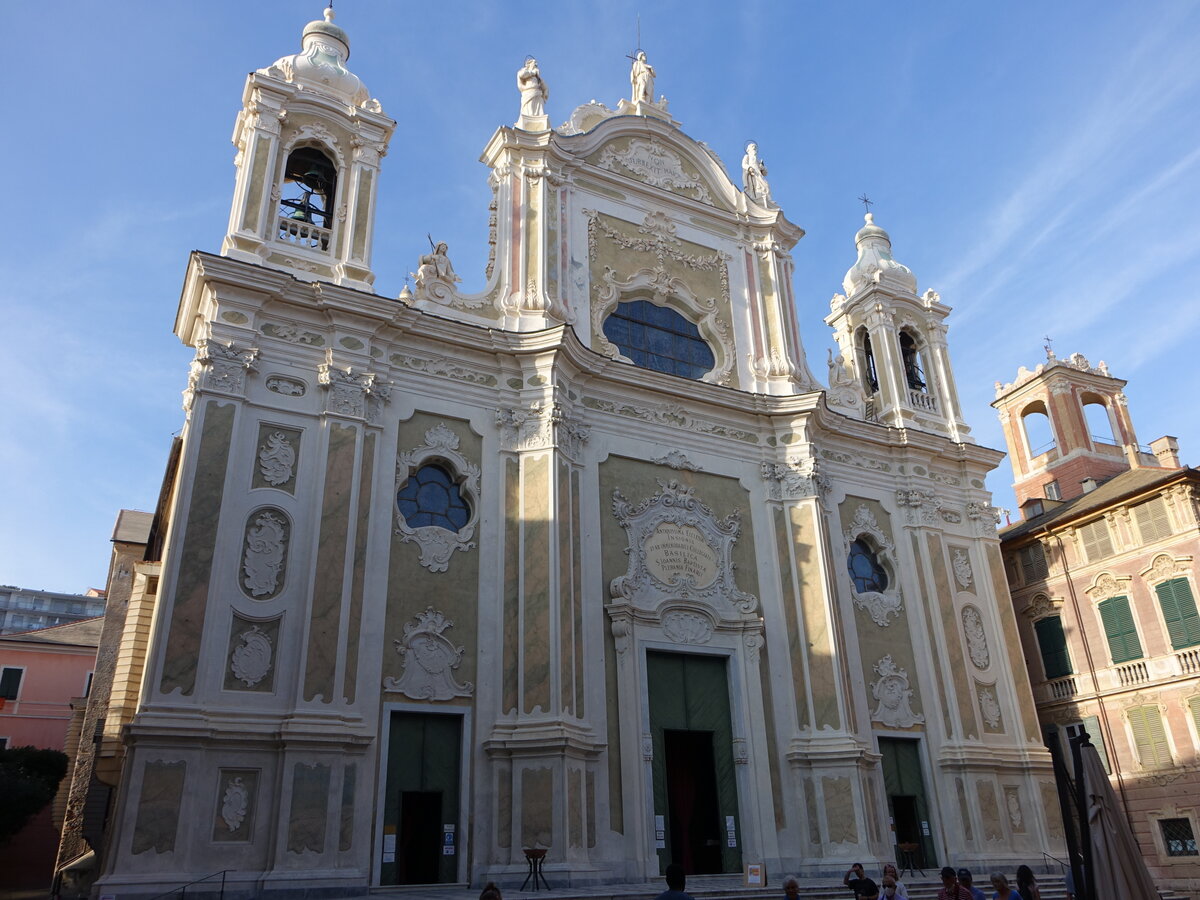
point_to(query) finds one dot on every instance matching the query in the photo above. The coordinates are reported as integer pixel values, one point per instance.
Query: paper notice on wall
(389, 843)
(389, 857)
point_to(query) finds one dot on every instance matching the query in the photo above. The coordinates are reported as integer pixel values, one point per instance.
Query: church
(588, 566)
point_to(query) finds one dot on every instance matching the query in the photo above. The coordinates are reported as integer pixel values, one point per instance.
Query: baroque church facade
(586, 563)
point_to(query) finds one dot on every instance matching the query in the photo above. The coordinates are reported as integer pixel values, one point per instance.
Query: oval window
(430, 497)
(865, 569)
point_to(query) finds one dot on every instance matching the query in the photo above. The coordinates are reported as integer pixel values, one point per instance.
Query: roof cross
(866, 201)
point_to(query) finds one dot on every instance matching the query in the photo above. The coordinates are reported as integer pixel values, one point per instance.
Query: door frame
(381, 786)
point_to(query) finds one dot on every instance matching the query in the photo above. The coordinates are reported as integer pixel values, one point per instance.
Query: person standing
(951, 889)
(890, 871)
(791, 888)
(676, 881)
(854, 878)
(965, 879)
(1027, 886)
(1003, 891)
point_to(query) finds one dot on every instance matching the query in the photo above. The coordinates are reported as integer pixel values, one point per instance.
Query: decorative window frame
(1106, 586)
(1041, 605)
(880, 605)
(1156, 817)
(438, 544)
(1164, 567)
(659, 287)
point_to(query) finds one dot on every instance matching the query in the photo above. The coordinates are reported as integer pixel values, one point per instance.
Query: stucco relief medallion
(679, 550)
(687, 628)
(893, 696)
(1012, 803)
(251, 660)
(234, 804)
(288, 387)
(265, 553)
(277, 459)
(977, 645)
(429, 660)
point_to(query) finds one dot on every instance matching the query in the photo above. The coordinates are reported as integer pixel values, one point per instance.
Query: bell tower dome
(309, 141)
(893, 342)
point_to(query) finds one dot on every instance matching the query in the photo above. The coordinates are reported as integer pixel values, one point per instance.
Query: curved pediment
(657, 154)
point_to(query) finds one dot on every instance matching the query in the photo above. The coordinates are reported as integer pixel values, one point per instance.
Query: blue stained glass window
(430, 497)
(865, 569)
(658, 338)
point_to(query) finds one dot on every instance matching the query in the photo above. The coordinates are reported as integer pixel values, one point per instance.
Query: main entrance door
(694, 788)
(420, 816)
(907, 804)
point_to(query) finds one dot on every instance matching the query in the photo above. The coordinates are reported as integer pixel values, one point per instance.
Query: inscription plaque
(674, 552)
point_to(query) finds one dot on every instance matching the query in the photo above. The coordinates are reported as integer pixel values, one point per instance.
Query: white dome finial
(329, 15)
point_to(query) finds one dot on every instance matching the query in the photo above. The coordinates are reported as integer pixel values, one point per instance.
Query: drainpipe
(1105, 725)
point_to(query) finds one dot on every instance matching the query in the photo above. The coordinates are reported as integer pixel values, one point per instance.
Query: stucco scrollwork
(658, 166)
(1164, 567)
(977, 645)
(350, 389)
(794, 479)
(276, 459)
(429, 659)
(893, 696)
(880, 605)
(961, 564)
(687, 627)
(540, 426)
(264, 553)
(224, 366)
(922, 507)
(990, 707)
(663, 289)
(985, 516)
(679, 550)
(234, 804)
(1040, 606)
(438, 544)
(1108, 585)
(677, 459)
(251, 660)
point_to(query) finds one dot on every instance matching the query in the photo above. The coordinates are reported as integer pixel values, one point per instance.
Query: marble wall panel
(839, 810)
(276, 458)
(575, 807)
(989, 810)
(328, 577)
(310, 808)
(189, 602)
(964, 811)
(1012, 643)
(250, 656)
(537, 807)
(158, 807)
(362, 532)
(955, 661)
(797, 646)
(536, 569)
(346, 817)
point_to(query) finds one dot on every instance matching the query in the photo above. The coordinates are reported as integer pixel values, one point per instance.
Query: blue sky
(1035, 163)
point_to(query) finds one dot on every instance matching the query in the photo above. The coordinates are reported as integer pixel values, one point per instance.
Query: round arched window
(866, 571)
(658, 338)
(430, 497)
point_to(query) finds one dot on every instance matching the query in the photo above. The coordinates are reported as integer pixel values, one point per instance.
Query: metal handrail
(182, 890)
(1046, 856)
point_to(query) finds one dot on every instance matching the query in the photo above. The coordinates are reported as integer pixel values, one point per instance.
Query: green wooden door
(695, 791)
(421, 833)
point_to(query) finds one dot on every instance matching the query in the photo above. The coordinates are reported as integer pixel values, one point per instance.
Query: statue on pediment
(534, 92)
(754, 175)
(641, 77)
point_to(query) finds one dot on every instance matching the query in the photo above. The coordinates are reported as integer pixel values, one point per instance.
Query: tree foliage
(29, 778)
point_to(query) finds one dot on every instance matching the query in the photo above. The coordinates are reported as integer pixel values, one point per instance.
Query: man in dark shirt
(965, 879)
(854, 877)
(676, 881)
(951, 889)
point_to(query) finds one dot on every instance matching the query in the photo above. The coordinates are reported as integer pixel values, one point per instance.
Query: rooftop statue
(754, 176)
(435, 277)
(641, 76)
(534, 92)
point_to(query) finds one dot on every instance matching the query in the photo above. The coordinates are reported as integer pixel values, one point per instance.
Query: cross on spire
(865, 201)
(1048, 347)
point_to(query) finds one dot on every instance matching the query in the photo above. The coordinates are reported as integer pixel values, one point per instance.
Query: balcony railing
(304, 234)
(1189, 661)
(1132, 673)
(922, 400)
(1062, 688)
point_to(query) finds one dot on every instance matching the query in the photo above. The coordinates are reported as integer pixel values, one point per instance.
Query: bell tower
(893, 342)
(1067, 427)
(309, 141)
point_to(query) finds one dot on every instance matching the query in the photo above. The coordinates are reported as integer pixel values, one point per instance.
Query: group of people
(957, 884)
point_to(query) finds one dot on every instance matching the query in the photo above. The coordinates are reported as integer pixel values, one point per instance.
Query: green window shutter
(1096, 542)
(1194, 703)
(1152, 521)
(1152, 748)
(1033, 563)
(1179, 612)
(1091, 724)
(1122, 634)
(1053, 644)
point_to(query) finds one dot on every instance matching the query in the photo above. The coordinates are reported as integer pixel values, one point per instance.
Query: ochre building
(587, 563)
(1103, 574)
